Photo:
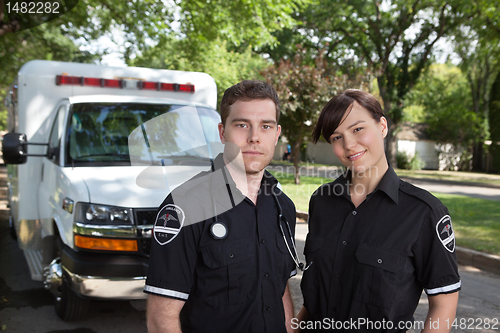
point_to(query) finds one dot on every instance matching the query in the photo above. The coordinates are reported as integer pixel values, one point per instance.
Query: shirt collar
(389, 184)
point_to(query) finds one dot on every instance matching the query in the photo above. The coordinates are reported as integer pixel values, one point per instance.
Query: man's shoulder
(199, 182)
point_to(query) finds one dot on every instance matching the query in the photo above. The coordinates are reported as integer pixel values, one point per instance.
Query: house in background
(411, 139)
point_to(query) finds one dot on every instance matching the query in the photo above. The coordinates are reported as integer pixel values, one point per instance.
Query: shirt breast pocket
(376, 274)
(229, 272)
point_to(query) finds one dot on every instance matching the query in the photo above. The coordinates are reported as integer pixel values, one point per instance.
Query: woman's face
(359, 141)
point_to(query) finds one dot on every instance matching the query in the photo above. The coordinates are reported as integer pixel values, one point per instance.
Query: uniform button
(262, 241)
(334, 309)
(344, 243)
(231, 255)
(266, 275)
(379, 261)
(337, 275)
(354, 212)
(268, 308)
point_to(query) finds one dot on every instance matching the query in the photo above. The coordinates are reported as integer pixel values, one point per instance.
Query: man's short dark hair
(248, 90)
(333, 112)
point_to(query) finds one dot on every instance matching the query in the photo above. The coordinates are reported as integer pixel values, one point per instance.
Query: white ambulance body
(112, 143)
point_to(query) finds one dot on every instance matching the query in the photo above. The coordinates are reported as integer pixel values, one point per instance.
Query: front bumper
(108, 288)
(105, 275)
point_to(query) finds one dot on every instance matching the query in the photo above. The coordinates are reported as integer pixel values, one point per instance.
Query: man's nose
(253, 135)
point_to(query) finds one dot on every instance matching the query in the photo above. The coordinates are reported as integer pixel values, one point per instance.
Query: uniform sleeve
(173, 253)
(435, 256)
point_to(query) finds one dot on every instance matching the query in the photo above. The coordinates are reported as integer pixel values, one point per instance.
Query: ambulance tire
(69, 305)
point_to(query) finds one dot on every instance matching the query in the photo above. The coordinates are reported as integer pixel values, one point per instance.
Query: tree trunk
(391, 143)
(296, 159)
(477, 157)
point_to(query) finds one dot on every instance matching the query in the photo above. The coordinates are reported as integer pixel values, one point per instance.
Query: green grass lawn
(458, 176)
(476, 221)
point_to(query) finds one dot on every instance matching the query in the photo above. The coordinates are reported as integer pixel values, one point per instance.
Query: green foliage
(382, 37)
(249, 22)
(447, 108)
(407, 162)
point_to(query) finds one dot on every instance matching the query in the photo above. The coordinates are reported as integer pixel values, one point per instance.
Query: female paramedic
(374, 240)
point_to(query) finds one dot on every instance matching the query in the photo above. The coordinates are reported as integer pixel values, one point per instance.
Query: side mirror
(15, 148)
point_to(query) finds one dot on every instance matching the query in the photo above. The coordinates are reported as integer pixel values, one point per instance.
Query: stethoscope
(219, 230)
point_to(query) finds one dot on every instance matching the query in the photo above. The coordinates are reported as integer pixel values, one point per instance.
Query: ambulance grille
(145, 216)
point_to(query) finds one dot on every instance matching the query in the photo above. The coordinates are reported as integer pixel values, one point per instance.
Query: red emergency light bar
(149, 85)
(62, 80)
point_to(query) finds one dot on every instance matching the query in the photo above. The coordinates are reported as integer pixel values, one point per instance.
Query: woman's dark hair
(333, 112)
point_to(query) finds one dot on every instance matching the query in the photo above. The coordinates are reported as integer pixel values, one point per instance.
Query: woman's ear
(383, 126)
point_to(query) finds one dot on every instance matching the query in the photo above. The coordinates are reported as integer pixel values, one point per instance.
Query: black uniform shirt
(233, 284)
(373, 261)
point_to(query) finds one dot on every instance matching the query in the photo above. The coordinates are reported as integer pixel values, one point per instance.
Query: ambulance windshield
(110, 134)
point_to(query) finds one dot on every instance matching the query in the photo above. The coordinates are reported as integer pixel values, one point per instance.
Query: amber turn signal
(106, 244)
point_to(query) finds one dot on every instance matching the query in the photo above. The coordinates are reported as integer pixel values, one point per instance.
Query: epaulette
(420, 193)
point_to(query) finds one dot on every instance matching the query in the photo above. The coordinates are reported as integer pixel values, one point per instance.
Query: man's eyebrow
(351, 126)
(244, 120)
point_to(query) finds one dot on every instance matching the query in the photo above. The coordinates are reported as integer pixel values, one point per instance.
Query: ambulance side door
(50, 194)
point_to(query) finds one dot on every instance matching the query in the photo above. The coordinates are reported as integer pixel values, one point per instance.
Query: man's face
(251, 125)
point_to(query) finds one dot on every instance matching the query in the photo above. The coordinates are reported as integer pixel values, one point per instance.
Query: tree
(143, 23)
(480, 64)
(226, 67)
(477, 43)
(394, 39)
(303, 89)
(494, 122)
(447, 108)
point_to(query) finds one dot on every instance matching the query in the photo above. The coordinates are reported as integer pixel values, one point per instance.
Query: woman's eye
(358, 129)
(335, 138)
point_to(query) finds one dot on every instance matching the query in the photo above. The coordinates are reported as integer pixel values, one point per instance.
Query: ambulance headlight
(102, 214)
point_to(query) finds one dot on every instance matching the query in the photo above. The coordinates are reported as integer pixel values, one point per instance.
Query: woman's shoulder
(420, 194)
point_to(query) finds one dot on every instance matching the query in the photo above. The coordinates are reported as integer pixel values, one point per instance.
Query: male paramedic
(223, 243)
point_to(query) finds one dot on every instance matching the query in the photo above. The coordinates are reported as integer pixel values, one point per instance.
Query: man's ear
(222, 133)
(383, 126)
(278, 135)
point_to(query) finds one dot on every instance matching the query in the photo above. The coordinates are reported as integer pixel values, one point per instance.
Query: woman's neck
(364, 183)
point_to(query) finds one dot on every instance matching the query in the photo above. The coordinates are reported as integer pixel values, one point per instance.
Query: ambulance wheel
(69, 305)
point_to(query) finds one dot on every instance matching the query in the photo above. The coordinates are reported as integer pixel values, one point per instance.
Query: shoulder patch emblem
(168, 224)
(445, 233)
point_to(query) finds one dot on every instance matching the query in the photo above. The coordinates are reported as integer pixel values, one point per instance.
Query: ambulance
(91, 152)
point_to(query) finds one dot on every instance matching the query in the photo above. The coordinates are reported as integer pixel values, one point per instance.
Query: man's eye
(241, 125)
(266, 127)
